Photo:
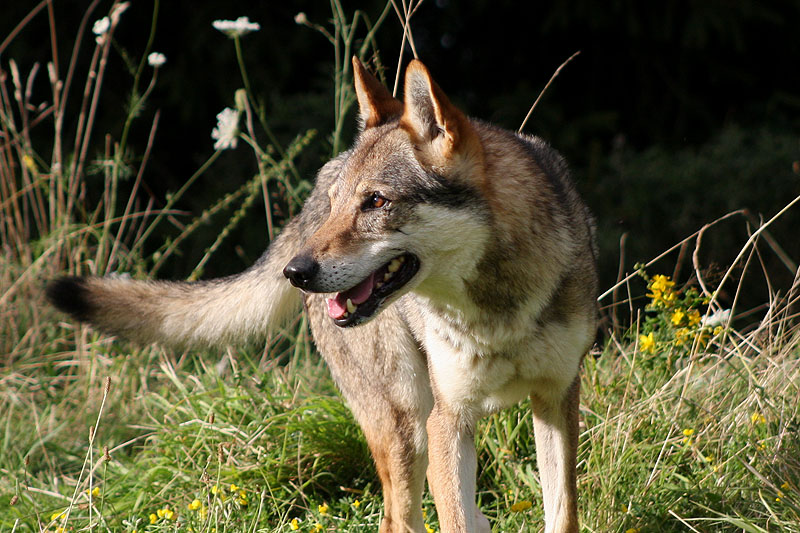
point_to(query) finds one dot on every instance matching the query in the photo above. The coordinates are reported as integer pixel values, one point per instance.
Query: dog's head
(407, 209)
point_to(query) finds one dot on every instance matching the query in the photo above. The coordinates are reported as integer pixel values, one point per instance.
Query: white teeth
(378, 285)
(351, 307)
(387, 276)
(394, 266)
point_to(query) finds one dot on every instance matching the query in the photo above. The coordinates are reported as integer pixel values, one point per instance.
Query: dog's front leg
(452, 470)
(555, 423)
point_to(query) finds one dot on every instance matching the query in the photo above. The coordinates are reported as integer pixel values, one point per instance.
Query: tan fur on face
(334, 238)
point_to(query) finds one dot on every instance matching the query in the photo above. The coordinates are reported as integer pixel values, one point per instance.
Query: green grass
(171, 427)
(100, 435)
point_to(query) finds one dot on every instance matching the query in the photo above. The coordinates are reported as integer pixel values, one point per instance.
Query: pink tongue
(337, 306)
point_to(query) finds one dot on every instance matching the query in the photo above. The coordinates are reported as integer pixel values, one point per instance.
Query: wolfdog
(447, 267)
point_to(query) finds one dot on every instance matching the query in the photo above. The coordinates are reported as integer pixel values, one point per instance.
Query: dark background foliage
(674, 113)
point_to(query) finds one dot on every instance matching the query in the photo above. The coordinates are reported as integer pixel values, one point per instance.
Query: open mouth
(360, 303)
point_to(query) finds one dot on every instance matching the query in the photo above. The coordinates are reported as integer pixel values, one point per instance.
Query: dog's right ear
(376, 105)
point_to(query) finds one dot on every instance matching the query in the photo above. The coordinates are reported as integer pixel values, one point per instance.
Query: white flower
(101, 26)
(118, 10)
(100, 29)
(236, 28)
(226, 133)
(716, 319)
(156, 59)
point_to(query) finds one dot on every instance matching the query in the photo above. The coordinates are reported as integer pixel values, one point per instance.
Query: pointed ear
(376, 105)
(428, 112)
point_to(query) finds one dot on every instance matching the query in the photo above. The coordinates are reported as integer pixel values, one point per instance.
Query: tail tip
(70, 295)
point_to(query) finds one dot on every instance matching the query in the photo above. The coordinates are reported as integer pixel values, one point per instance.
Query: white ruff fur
(449, 243)
(469, 372)
(496, 364)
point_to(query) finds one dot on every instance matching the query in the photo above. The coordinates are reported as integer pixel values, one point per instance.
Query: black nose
(301, 270)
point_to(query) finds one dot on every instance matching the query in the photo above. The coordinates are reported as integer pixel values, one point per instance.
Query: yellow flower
(647, 342)
(242, 500)
(661, 283)
(520, 506)
(694, 317)
(294, 525)
(688, 432)
(95, 492)
(195, 505)
(632, 530)
(317, 527)
(28, 161)
(164, 513)
(661, 293)
(786, 486)
(677, 317)
(656, 296)
(429, 529)
(323, 509)
(167, 513)
(757, 418)
(58, 515)
(233, 488)
(681, 334)
(215, 490)
(357, 504)
(153, 518)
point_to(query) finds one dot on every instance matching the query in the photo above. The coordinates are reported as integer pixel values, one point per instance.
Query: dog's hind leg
(555, 423)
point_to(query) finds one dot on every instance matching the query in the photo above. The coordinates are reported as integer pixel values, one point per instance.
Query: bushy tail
(222, 311)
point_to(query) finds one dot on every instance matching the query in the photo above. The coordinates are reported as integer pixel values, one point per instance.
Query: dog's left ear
(376, 105)
(428, 114)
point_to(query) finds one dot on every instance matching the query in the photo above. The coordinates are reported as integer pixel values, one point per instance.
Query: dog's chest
(484, 369)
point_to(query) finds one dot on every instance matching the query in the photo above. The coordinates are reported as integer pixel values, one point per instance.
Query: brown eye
(375, 201)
